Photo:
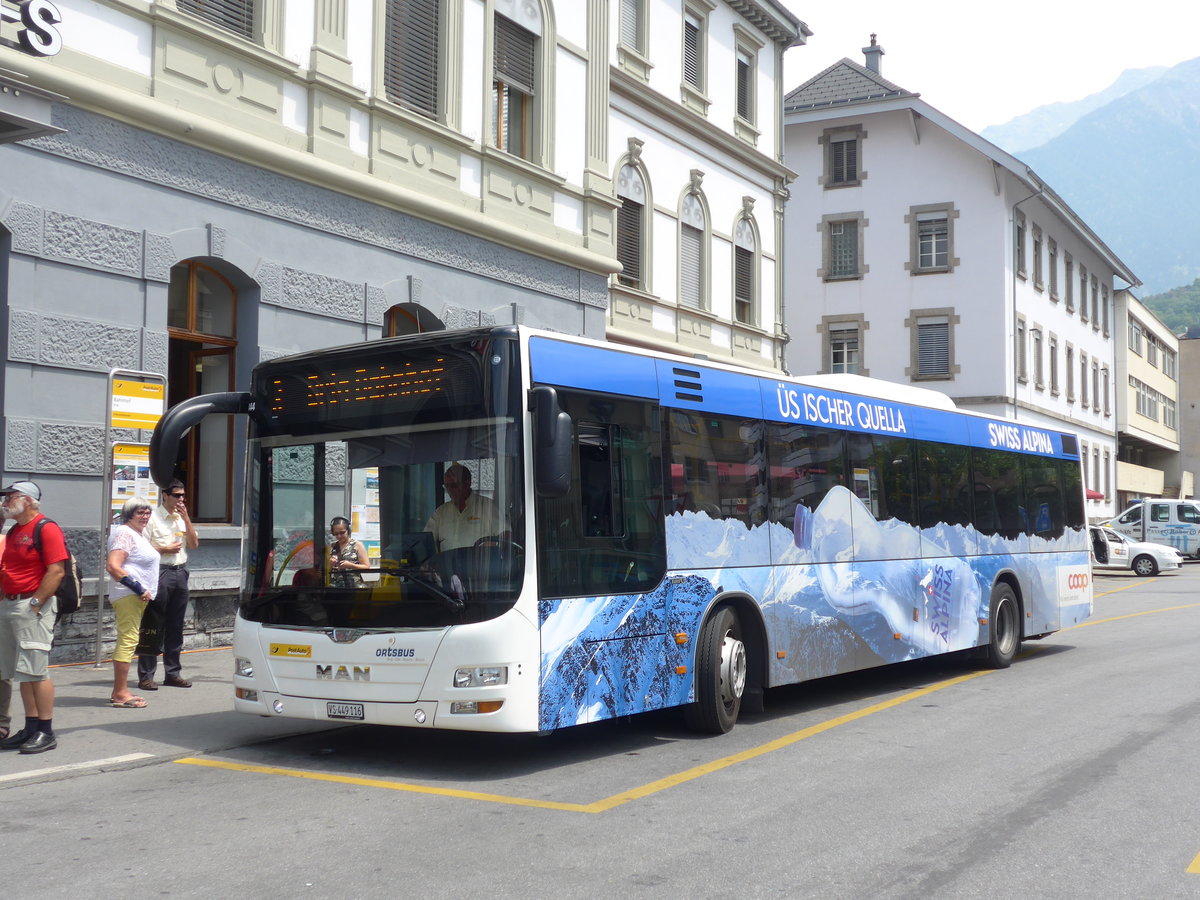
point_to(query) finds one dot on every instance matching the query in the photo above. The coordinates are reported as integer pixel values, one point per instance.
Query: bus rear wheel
(721, 667)
(1004, 627)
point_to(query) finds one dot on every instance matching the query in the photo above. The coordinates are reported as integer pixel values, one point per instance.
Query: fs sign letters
(35, 21)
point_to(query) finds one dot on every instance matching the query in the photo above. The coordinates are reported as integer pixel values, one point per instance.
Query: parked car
(1112, 550)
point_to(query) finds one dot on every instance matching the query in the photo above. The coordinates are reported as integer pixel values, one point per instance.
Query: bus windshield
(386, 488)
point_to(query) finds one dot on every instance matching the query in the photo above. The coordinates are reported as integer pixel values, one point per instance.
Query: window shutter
(236, 16)
(933, 348)
(743, 283)
(513, 54)
(743, 86)
(410, 71)
(691, 255)
(631, 25)
(691, 51)
(629, 242)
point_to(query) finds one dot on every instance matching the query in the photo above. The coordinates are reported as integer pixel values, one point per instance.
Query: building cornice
(688, 122)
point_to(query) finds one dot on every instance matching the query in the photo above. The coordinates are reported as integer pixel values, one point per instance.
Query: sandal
(131, 703)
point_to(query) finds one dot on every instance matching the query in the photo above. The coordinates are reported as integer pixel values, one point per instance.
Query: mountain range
(1127, 160)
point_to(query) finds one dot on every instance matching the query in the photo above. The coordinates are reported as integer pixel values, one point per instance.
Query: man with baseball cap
(29, 579)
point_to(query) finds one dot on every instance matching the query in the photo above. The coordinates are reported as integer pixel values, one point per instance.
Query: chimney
(872, 54)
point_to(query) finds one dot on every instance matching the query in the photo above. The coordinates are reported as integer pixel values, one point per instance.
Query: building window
(1021, 361)
(633, 25)
(1052, 251)
(1069, 365)
(1096, 468)
(202, 346)
(411, 67)
(1095, 386)
(745, 278)
(1169, 414)
(1095, 304)
(1083, 457)
(842, 244)
(1083, 309)
(1035, 347)
(1019, 245)
(1107, 391)
(1083, 380)
(844, 350)
(1152, 350)
(931, 344)
(695, 60)
(1104, 307)
(1053, 349)
(931, 238)
(631, 227)
(1169, 363)
(1135, 336)
(1107, 473)
(1069, 281)
(1037, 258)
(693, 256)
(843, 156)
(745, 85)
(514, 79)
(235, 16)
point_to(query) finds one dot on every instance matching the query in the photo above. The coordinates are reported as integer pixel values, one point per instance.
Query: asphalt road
(1070, 774)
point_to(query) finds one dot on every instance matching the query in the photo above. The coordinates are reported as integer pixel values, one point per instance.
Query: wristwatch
(35, 603)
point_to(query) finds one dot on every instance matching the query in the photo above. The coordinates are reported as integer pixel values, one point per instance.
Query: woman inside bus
(347, 558)
(133, 564)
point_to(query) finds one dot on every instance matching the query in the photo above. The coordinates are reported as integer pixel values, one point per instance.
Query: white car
(1111, 550)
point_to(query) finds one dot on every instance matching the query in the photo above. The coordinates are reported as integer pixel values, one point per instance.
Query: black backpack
(71, 589)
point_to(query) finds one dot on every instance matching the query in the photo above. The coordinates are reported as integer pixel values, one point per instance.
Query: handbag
(150, 637)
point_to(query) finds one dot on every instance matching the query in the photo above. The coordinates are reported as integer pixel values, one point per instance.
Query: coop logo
(1078, 581)
(35, 21)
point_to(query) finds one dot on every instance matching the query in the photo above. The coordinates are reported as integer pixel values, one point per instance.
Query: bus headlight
(243, 667)
(480, 676)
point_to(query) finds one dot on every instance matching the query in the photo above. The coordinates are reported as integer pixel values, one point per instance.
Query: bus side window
(1188, 514)
(806, 461)
(1160, 512)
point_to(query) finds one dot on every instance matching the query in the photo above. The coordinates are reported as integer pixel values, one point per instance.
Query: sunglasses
(177, 495)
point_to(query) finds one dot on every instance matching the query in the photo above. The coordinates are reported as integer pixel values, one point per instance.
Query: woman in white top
(133, 564)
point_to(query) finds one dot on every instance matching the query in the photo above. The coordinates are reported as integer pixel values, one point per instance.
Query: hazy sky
(984, 63)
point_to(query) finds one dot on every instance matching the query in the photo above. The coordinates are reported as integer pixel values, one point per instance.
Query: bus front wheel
(721, 667)
(1004, 627)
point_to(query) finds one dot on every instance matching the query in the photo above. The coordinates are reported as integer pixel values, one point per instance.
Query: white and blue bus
(668, 532)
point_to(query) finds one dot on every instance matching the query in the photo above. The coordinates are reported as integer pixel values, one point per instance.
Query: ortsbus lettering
(35, 20)
(838, 411)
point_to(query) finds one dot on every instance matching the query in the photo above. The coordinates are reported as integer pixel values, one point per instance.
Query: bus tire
(721, 667)
(1145, 565)
(1004, 627)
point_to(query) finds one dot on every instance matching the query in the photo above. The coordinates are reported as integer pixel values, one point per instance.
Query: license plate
(344, 710)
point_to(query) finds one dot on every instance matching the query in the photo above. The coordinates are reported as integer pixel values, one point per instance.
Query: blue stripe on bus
(592, 368)
(682, 385)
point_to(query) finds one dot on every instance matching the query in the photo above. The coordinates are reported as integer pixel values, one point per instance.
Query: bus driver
(465, 517)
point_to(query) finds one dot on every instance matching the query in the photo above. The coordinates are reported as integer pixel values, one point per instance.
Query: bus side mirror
(552, 443)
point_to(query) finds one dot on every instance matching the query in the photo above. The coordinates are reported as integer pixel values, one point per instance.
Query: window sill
(745, 130)
(694, 99)
(933, 270)
(833, 186)
(634, 63)
(833, 278)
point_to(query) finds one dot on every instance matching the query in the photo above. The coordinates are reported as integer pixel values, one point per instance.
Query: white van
(1175, 523)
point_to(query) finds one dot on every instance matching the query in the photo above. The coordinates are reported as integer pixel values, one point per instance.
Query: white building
(918, 252)
(1148, 420)
(696, 144)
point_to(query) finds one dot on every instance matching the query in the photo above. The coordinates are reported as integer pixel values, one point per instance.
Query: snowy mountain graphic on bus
(849, 592)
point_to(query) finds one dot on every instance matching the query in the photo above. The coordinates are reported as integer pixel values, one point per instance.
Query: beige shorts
(25, 637)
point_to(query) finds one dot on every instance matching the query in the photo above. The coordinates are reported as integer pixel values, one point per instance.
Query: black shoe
(40, 743)
(176, 681)
(14, 741)
(147, 684)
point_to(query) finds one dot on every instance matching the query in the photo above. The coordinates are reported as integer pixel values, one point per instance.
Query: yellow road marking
(615, 800)
(1194, 868)
(661, 784)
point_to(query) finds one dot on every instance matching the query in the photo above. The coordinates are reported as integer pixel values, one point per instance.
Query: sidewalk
(177, 721)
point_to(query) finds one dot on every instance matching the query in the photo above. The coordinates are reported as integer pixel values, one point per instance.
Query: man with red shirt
(29, 580)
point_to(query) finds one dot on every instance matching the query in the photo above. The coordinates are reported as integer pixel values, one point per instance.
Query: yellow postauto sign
(291, 651)
(137, 404)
